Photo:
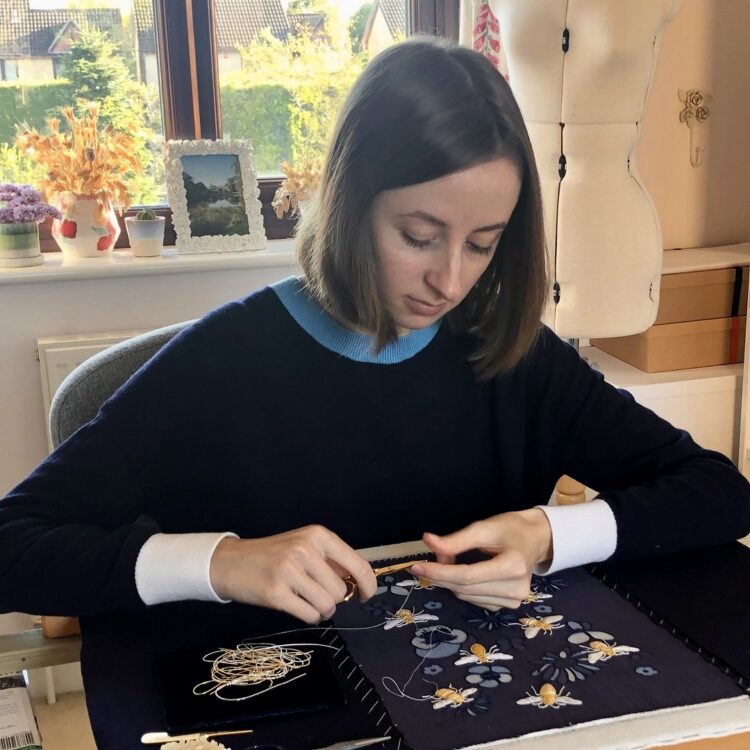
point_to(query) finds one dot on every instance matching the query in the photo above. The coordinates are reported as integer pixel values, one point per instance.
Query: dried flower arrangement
(297, 186)
(23, 204)
(85, 161)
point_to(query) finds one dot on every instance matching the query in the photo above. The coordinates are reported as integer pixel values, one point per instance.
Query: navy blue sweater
(250, 423)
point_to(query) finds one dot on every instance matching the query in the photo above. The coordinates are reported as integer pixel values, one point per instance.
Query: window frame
(185, 34)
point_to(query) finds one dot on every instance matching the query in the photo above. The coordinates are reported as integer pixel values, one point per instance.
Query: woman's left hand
(517, 541)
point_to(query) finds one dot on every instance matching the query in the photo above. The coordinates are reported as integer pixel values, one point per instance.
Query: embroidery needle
(159, 738)
(352, 584)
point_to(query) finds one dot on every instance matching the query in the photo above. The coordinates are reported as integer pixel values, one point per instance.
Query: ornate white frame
(215, 243)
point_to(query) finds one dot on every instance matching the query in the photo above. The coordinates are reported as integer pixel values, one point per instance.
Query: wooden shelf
(29, 649)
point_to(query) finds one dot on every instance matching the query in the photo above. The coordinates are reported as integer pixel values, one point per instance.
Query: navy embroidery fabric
(601, 656)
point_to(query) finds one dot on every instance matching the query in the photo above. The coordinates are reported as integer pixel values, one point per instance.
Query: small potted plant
(146, 233)
(21, 210)
(296, 188)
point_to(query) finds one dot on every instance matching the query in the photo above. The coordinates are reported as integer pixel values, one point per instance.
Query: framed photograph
(213, 192)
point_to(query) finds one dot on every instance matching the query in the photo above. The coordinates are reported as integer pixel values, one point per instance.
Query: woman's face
(435, 240)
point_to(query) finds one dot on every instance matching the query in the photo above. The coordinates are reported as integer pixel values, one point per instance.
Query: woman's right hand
(300, 572)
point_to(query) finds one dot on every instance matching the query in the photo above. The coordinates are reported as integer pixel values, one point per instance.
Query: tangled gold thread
(252, 664)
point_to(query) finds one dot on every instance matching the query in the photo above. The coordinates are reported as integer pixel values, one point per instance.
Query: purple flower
(23, 204)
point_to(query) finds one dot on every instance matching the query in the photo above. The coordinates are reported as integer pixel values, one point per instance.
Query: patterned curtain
(480, 30)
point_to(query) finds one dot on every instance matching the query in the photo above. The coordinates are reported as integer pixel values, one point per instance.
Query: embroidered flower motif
(506, 644)
(379, 609)
(488, 676)
(583, 633)
(646, 671)
(399, 591)
(542, 609)
(438, 641)
(547, 585)
(480, 705)
(484, 619)
(433, 605)
(432, 670)
(563, 666)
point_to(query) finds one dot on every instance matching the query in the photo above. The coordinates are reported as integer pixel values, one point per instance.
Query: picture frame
(212, 188)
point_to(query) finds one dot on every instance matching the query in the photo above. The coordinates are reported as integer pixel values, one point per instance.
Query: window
(285, 68)
(198, 69)
(65, 51)
(8, 70)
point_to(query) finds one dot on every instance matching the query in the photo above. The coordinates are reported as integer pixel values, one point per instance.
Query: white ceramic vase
(80, 233)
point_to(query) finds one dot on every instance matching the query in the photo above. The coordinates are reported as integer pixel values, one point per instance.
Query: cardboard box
(18, 729)
(679, 346)
(702, 295)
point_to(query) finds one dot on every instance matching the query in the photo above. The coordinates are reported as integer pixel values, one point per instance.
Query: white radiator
(60, 355)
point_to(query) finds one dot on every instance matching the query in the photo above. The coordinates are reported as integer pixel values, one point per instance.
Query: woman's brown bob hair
(422, 110)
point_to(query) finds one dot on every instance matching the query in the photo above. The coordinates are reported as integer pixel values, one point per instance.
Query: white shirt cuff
(175, 567)
(581, 534)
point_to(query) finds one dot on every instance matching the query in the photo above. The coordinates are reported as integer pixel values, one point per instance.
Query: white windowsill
(121, 263)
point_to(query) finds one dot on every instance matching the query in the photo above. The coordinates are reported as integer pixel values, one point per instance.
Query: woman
(403, 386)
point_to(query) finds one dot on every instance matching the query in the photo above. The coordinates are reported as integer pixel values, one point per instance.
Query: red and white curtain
(480, 30)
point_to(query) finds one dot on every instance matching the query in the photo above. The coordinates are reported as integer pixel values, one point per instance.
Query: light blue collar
(326, 331)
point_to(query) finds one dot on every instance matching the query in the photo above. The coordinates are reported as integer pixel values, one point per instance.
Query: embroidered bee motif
(601, 651)
(417, 583)
(535, 596)
(478, 654)
(407, 617)
(548, 697)
(451, 697)
(532, 626)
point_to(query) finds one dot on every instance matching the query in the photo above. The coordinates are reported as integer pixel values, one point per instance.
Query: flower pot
(19, 245)
(146, 236)
(82, 232)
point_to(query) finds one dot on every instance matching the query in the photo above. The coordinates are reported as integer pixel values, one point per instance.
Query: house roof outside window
(238, 22)
(26, 32)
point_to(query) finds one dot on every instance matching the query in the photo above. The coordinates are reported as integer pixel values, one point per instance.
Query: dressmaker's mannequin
(581, 71)
(583, 108)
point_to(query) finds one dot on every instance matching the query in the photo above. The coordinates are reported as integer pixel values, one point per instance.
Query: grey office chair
(79, 396)
(77, 401)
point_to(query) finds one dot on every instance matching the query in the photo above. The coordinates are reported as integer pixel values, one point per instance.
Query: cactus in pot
(146, 233)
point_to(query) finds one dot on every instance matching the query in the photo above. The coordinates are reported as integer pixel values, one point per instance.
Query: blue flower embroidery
(543, 609)
(646, 671)
(438, 641)
(484, 619)
(488, 676)
(432, 670)
(507, 644)
(480, 705)
(399, 591)
(433, 605)
(547, 585)
(379, 608)
(583, 633)
(564, 666)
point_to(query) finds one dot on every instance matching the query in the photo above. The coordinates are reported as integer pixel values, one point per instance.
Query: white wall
(57, 308)
(704, 47)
